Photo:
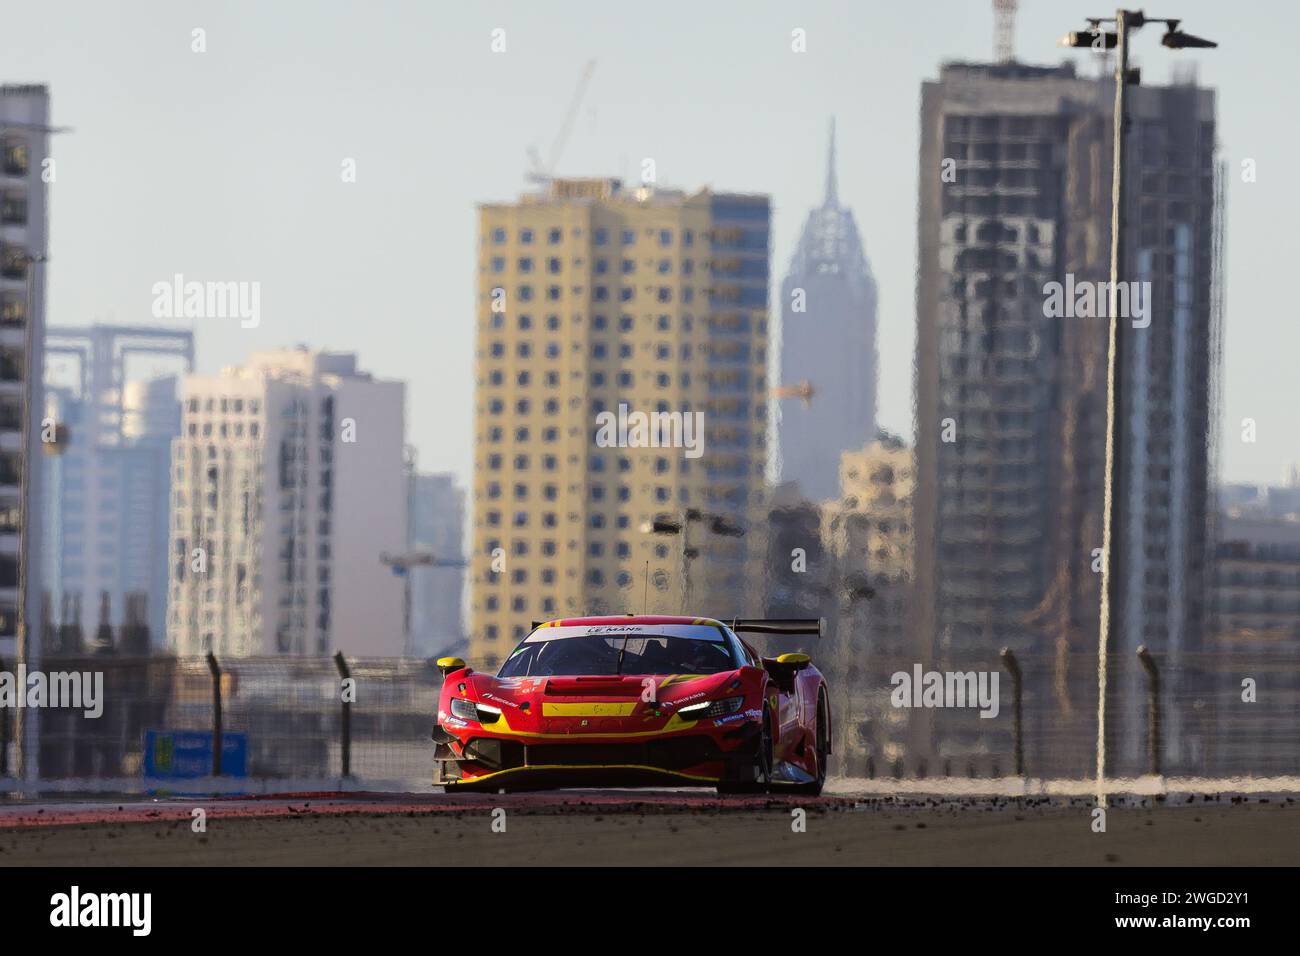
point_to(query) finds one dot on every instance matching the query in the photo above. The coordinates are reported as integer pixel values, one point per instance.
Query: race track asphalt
(669, 828)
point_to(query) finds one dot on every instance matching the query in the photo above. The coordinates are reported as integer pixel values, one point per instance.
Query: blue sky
(225, 165)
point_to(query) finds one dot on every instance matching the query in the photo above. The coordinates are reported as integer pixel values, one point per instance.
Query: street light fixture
(1125, 21)
(679, 524)
(1095, 38)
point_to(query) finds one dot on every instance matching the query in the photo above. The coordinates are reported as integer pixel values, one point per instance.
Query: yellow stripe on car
(599, 709)
(532, 768)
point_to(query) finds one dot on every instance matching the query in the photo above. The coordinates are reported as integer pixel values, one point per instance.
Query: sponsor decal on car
(681, 700)
(750, 714)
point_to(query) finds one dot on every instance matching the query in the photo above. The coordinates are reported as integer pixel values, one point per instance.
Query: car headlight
(469, 710)
(713, 708)
(464, 709)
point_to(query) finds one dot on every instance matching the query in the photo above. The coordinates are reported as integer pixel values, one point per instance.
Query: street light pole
(686, 563)
(1109, 612)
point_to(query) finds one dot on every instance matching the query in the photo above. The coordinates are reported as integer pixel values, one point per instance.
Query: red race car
(637, 701)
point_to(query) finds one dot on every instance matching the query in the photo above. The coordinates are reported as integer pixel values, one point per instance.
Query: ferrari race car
(637, 701)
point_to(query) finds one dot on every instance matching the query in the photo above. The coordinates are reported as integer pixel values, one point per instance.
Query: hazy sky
(225, 165)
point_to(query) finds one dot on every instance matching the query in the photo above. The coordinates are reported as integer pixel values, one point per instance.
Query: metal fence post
(345, 725)
(4, 733)
(215, 668)
(1017, 691)
(1153, 709)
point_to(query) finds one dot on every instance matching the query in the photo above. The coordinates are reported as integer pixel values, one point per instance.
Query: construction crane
(1004, 20)
(402, 565)
(544, 173)
(803, 390)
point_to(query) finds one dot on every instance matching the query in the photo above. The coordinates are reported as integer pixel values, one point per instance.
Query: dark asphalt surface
(676, 828)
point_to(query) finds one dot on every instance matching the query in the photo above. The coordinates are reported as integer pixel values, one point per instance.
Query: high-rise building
(828, 341)
(437, 527)
(597, 302)
(1256, 635)
(1015, 196)
(24, 148)
(1257, 581)
(289, 487)
(868, 532)
(868, 537)
(107, 493)
(799, 578)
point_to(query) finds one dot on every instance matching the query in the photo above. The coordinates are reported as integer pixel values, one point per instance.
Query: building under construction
(1015, 194)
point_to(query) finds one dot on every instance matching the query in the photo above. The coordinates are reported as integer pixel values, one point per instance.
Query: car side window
(746, 658)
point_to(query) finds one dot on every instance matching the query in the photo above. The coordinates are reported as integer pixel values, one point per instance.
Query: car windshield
(599, 654)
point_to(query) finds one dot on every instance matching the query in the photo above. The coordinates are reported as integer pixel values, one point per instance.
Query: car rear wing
(790, 626)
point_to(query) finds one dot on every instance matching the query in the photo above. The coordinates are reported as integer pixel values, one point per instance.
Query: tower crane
(540, 173)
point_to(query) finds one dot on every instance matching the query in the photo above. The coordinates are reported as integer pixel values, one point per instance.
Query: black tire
(823, 746)
(762, 764)
(765, 751)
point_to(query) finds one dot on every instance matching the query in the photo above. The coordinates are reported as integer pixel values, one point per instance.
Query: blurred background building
(828, 342)
(290, 476)
(800, 579)
(1010, 403)
(24, 147)
(108, 490)
(1243, 500)
(1256, 595)
(591, 295)
(868, 530)
(437, 527)
(1255, 637)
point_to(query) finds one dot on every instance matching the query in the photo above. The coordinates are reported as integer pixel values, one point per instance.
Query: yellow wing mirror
(449, 664)
(796, 661)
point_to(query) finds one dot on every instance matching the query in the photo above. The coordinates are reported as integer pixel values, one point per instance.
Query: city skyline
(423, 266)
